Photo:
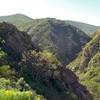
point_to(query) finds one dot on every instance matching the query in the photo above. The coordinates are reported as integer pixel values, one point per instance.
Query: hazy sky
(87, 11)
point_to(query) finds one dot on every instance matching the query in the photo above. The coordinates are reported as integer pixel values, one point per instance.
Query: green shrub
(2, 54)
(49, 57)
(5, 70)
(5, 83)
(17, 95)
(22, 85)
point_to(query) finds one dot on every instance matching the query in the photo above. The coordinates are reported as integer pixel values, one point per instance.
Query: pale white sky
(87, 11)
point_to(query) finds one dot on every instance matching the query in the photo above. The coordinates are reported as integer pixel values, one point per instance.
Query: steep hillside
(62, 39)
(87, 28)
(88, 63)
(16, 41)
(40, 70)
(12, 44)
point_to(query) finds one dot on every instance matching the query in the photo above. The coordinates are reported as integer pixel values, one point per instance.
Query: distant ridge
(23, 22)
(87, 28)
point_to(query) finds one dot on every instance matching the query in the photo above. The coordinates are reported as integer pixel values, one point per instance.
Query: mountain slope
(63, 40)
(23, 22)
(41, 71)
(87, 28)
(87, 65)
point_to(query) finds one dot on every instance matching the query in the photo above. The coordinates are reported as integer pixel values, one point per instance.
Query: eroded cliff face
(37, 69)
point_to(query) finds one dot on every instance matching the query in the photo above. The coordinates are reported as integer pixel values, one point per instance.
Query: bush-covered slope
(87, 65)
(12, 85)
(40, 70)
